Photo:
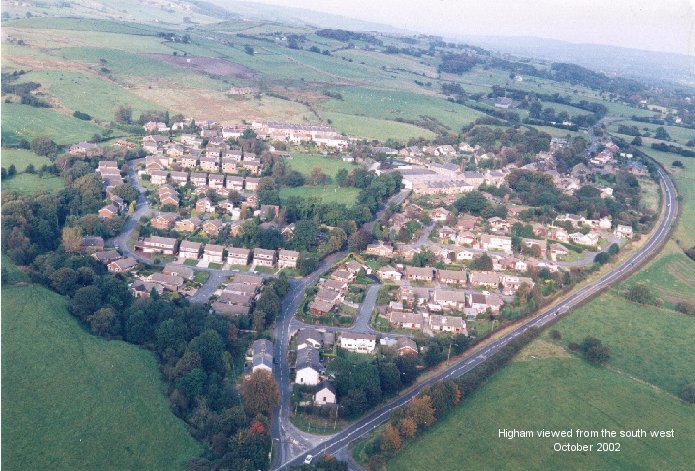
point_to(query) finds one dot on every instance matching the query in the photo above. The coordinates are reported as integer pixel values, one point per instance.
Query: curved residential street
(337, 444)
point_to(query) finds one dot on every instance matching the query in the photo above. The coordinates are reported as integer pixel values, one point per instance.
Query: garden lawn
(327, 193)
(72, 400)
(305, 163)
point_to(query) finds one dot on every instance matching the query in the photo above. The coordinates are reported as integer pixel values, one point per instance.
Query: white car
(308, 459)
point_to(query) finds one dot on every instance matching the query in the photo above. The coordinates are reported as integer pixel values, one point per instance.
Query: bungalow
(92, 244)
(452, 324)
(406, 320)
(558, 250)
(380, 250)
(454, 277)
(178, 270)
(204, 205)
(419, 273)
(343, 275)
(319, 308)
(106, 256)
(510, 283)
(179, 178)
(353, 267)
(190, 250)
(496, 242)
(264, 257)
(335, 285)
(558, 233)
(108, 212)
(406, 346)
(486, 279)
(216, 182)
(187, 225)
(358, 343)
(307, 367)
(122, 265)
(212, 227)
(230, 310)
(213, 253)
(573, 219)
(156, 244)
(199, 179)
(288, 259)
(329, 295)
(325, 394)
(623, 232)
(388, 273)
(168, 282)
(262, 355)
(465, 238)
(86, 149)
(590, 239)
(440, 214)
(480, 302)
(238, 256)
(142, 288)
(413, 295)
(164, 221)
(450, 299)
(464, 255)
(309, 338)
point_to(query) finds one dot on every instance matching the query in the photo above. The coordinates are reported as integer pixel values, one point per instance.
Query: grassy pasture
(555, 394)
(74, 401)
(651, 343)
(26, 122)
(20, 158)
(678, 134)
(375, 128)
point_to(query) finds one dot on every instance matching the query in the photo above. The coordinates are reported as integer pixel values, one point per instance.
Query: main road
(339, 442)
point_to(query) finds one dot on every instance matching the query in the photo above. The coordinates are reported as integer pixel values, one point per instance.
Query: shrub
(688, 393)
(555, 334)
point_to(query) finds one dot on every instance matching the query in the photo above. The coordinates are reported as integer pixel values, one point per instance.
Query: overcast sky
(656, 25)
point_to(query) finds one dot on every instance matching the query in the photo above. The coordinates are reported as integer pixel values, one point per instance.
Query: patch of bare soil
(208, 65)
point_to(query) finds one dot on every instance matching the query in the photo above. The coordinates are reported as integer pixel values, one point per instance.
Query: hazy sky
(657, 25)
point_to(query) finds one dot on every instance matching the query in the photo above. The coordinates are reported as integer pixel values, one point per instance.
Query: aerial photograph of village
(347, 235)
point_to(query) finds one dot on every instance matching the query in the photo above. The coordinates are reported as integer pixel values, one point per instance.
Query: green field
(651, 343)
(375, 128)
(26, 122)
(74, 401)
(679, 135)
(555, 394)
(327, 193)
(305, 163)
(77, 91)
(20, 158)
(29, 183)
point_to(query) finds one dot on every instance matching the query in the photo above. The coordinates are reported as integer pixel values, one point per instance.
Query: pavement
(338, 444)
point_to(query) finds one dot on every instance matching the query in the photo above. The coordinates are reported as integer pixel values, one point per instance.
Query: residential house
(449, 299)
(480, 302)
(175, 269)
(380, 249)
(309, 338)
(209, 164)
(156, 244)
(85, 149)
(158, 177)
(624, 232)
(452, 277)
(440, 214)
(190, 250)
(406, 346)
(168, 282)
(238, 256)
(92, 244)
(590, 239)
(558, 233)
(251, 183)
(319, 308)
(307, 367)
(287, 258)
(179, 178)
(419, 273)
(496, 242)
(189, 161)
(204, 205)
(213, 253)
(343, 275)
(216, 182)
(187, 225)
(262, 355)
(486, 279)
(164, 221)
(465, 238)
(558, 251)
(122, 265)
(108, 212)
(573, 219)
(451, 324)
(106, 256)
(264, 257)
(358, 343)
(325, 394)
(142, 288)
(511, 283)
(235, 183)
(406, 320)
(212, 227)
(199, 179)
(388, 273)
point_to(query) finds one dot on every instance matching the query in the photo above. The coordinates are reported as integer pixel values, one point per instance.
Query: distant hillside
(646, 65)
